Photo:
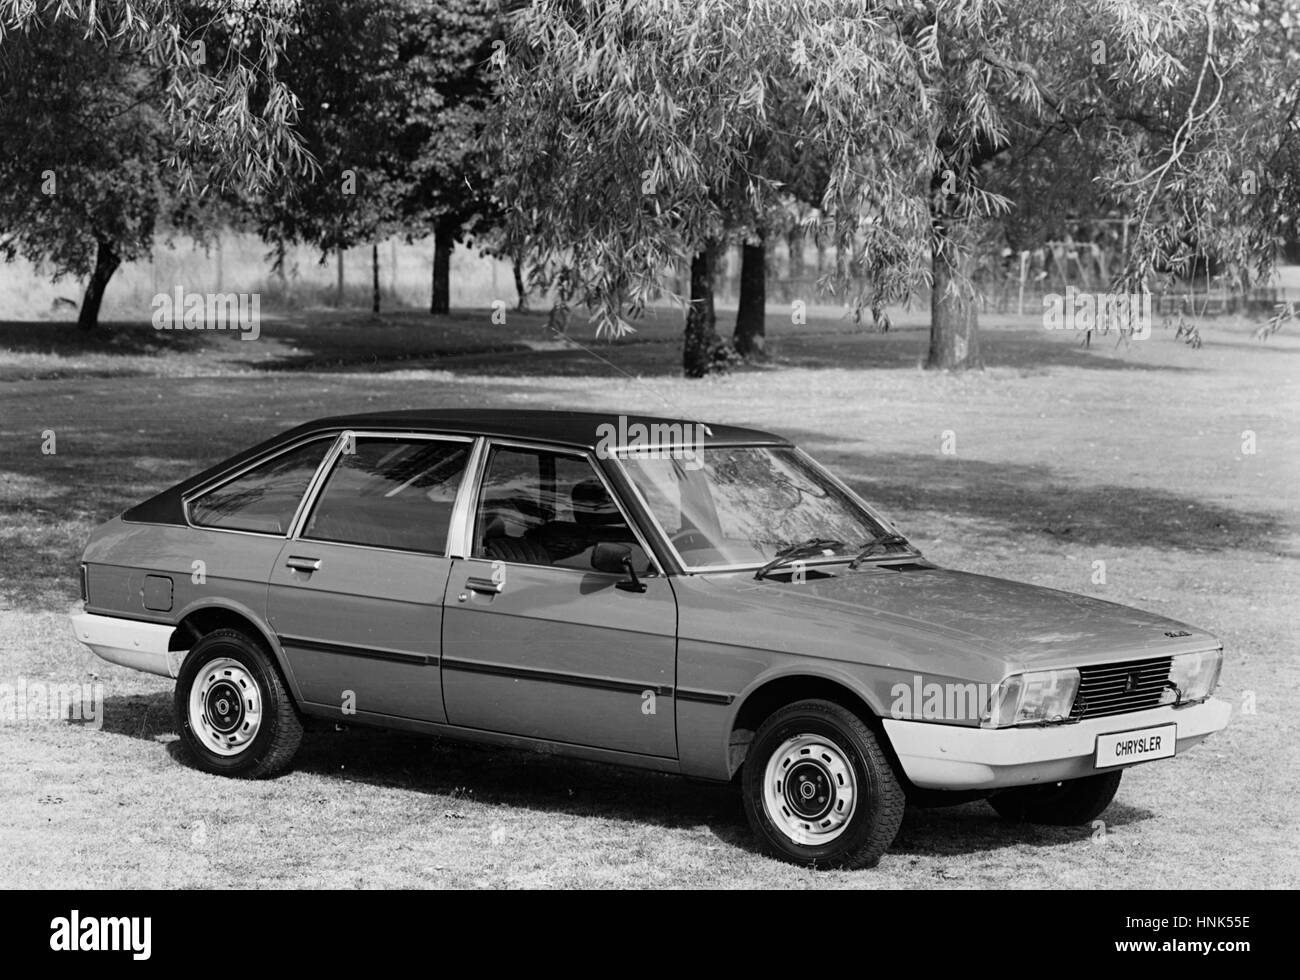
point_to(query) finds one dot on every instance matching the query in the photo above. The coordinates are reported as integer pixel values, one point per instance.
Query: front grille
(1114, 689)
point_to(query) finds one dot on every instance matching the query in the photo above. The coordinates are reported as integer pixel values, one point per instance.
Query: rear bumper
(953, 757)
(141, 646)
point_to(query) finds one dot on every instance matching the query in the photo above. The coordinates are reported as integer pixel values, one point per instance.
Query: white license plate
(1141, 745)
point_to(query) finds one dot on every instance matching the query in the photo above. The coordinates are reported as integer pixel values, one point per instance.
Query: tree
(800, 173)
(343, 66)
(447, 48)
(1139, 109)
(80, 185)
(449, 51)
(111, 114)
(749, 337)
(394, 93)
(628, 132)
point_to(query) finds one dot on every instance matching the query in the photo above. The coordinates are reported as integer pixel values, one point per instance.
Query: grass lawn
(1064, 456)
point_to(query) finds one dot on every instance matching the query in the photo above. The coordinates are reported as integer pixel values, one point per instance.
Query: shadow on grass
(545, 783)
(1015, 348)
(340, 342)
(657, 353)
(468, 342)
(121, 338)
(1018, 499)
(973, 827)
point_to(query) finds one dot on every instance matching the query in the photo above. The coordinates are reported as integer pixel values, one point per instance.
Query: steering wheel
(690, 540)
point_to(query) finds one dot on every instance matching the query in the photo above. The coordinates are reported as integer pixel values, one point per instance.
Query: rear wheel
(1063, 804)
(232, 709)
(818, 788)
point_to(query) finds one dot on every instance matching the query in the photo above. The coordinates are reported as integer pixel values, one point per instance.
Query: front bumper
(142, 646)
(954, 757)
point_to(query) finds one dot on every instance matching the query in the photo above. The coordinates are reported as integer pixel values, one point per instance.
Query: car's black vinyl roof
(568, 428)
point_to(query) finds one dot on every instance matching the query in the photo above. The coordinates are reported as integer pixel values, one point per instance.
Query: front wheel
(232, 709)
(819, 789)
(1063, 804)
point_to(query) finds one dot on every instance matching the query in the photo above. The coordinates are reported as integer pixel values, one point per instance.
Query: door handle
(483, 585)
(303, 564)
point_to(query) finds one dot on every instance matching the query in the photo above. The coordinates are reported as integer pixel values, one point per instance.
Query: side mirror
(615, 558)
(609, 556)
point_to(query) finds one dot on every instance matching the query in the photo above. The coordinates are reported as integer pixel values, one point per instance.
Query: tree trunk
(702, 349)
(557, 320)
(106, 263)
(749, 337)
(954, 339)
(280, 260)
(522, 290)
(338, 287)
(374, 277)
(794, 242)
(444, 240)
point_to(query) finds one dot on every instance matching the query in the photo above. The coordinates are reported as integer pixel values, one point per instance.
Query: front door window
(544, 508)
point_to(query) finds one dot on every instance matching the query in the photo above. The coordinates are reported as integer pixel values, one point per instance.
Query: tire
(232, 709)
(1063, 804)
(819, 790)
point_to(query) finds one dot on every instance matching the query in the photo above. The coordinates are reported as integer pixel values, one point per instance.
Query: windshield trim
(616, 458)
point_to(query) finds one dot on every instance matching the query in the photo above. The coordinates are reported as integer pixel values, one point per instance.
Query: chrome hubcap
(809, 789)
(225, 707)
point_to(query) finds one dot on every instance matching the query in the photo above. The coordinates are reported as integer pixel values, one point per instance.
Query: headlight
(1037, 697)
(1195, 675)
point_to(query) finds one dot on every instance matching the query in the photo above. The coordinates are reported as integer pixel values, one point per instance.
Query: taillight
(85, 588)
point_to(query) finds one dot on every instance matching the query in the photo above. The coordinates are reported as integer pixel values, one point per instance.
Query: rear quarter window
(265, 498)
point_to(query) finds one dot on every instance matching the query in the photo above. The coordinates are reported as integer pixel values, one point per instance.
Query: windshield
(744, 505)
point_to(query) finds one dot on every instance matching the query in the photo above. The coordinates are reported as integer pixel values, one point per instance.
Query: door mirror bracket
(613, 558)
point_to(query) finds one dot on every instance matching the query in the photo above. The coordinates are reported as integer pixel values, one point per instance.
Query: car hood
(1018, 623)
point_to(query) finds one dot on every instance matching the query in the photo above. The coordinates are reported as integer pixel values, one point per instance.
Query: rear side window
(265, 498)
(391, 493)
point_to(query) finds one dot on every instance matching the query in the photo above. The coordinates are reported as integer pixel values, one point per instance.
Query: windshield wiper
(884, 541)
(804, 549)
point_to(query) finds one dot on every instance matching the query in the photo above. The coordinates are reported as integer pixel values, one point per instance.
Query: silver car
(695, 599)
